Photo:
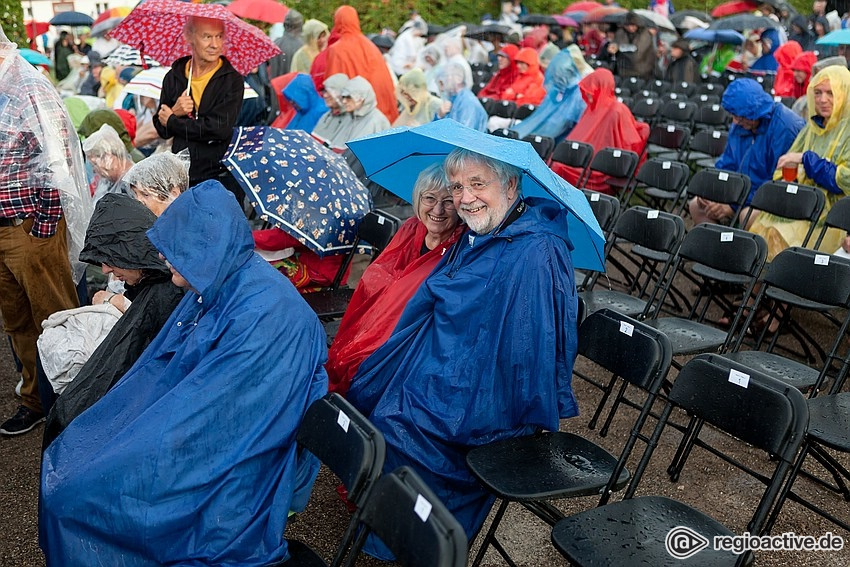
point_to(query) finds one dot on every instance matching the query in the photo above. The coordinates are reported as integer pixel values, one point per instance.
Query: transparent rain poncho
(160, 174)
(105, 150)
(33, 106)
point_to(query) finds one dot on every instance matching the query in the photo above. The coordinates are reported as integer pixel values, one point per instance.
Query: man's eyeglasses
(476, 187)
(431, 201)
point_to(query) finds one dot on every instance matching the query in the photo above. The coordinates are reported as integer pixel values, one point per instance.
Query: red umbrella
(156, 29)
(599, 13)
(565, 21)
(734, 7)
(267, 11)
(583, 6)
(35, 29)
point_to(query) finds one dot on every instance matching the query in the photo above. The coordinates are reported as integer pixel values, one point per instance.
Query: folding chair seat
(678, 112)
(654, 230)
(685, 88)
(726, 187)
(524, 111)
(353, 449)
(574, 154)
(662, 180)
(377, 229)
(606, 209)
(632, 83)
(534, 469)
(505, 133)
(747, 405)
(645, 109)
(709, 89)
(619, 164)
(408, 517)
(501, 108)
(703, 99)
(706, 146)
(543, 145)
(669, 139)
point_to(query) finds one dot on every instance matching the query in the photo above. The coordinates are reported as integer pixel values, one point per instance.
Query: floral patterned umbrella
(299, 185)
(155, 28)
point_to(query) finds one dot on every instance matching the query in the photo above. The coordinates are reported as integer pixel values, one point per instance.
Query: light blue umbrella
(35, 58)
(837, 37)
(730, 37)
(394, 158)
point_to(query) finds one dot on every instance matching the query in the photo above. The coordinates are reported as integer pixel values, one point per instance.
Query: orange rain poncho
(528, 86)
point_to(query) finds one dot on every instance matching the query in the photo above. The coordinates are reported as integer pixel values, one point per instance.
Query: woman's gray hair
(432, 178)
(460, 159)
(158, 174)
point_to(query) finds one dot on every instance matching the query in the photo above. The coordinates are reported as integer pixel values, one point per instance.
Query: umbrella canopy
(149, 83)
(108, 20)
(657, 20)
(124, 55)
(837, 37)
(537, 20)
(743, 22)
(690, 23)
(598, 14)
(35, 29)
(71, 18)
(583, 6)
(565, 21)
(730, 37)
(680, 16)
(394, 158)
(155, 27)
(484, 32)
(300, 186)
(267, 11)
(734, 7)
(34, 57)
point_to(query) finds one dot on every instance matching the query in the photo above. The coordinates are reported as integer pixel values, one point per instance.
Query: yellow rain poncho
(412, 87)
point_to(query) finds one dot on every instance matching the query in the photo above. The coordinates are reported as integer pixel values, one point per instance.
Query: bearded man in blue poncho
(485, 349)
(191, 458)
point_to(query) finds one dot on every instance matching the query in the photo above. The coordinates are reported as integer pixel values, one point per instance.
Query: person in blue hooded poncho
(767, 62)
(191, 458)
(465, 107)
(563, 105)
(309, 106)
(485, 348)
(762, 130)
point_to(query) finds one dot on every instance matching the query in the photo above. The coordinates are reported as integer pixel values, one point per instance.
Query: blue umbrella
(35, 58)
(71, 18)
(730, 37)
(394, 158)
(837, 37)
(299, 186)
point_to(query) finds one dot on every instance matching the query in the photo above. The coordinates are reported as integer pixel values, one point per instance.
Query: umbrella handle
(142, 55)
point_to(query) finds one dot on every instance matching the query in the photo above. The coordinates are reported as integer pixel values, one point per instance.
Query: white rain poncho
(106, 152)
(161, 176)
(30, 104)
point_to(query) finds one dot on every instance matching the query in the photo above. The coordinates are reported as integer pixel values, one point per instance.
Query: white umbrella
(660, 21)
(126, 55)
(149, 83)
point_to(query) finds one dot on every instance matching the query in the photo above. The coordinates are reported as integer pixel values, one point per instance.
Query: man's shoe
(21, 422)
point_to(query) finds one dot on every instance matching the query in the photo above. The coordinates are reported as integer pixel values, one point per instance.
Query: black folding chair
(658, 85)
(505, 133)
(573, 154)
(747, 405)
(645, 109)
(557, 465)
(632, 83)
(606, 209)
(703, 99)
(661, 180)
(501, 108)
(672, 97)
(405, 514)
(838, 217)
(710, 89)
(543, 145)
(668, 141)
(353, 449)
(684, 88)
(376, 229)
(705, 147)
(716, 185)
(618, 164)
(711, 117)
(678, 112)
(524, 111)
(790, 201)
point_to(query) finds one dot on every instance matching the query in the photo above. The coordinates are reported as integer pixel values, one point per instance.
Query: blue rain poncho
(755, 153)
(563, 105)
(483, 351)
(309, 106)
(191, 458)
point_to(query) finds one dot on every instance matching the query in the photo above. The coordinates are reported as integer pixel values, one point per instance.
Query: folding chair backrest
(346, 442)
(524, 111)
(657, 230)
(720, 186)
(811, 275)
(682, 112)
(645, 109)
(658, 85)
(710, 142)
(837, 217)
(791, 201)
(543, 145)
(710, 88)
(409, 518)
(702, 99)
(670, 136)
(501, 108)
(615, 162)
(672, 97)
(685, 88)
(664, 174)
(729, 250)
(606, 209)
(377, 229)
(710, 115)
(633, 83)
(574, 154)
(628, 348)
(505, 133)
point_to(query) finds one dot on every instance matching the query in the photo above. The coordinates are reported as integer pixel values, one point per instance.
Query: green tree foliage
(12, 21)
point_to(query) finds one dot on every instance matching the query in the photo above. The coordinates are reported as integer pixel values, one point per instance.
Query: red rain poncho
(287, 112)
(605, 123)
(803, 62)
(528, 87)
(503, 78)
(785, 54)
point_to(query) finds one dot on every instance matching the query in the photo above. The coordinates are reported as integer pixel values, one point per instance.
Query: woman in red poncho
(528, 86)
(353, 54)
(784, 85)
(505, 76)
(391, 280)
(605, 123)
(287, 112)
(801, 67)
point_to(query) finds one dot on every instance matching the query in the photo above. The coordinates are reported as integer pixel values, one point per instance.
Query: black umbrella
(620, 18)
(71, 19)
(677, 17)
(741, 22)
(485, 32)
(537, 20)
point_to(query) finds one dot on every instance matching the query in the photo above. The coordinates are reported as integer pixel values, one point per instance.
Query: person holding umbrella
(634, 48)
(200, 115)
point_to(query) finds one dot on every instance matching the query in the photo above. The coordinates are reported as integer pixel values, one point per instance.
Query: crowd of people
(173, 400)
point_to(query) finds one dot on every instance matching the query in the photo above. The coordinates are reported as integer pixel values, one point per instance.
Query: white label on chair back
(715, 135)
(665, 165)
(422, 508)
(617, 153)
(777, 99)
(343, 420)
(682, 105)
(649, 101)
(791, 189)
(627, 328)
(715, 107)
(381, 220)
(652, 214)
(723, 176)
(538, 139)
(671, 128)
(673, 96)
(594, 197)
(739, 378)
(574, 145)
(726, 236)
(821, 259)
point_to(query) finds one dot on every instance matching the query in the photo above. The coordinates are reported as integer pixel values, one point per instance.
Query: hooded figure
(95, 119)
(354, 55)
(505, 76)
(359, 101)
(770, 41)
(563, 105)
(116, 237)
(315, 36)
(784, 84)
(801, 68)
(335, 120)
(418, 106)
(309, 106)
(636, 53)
(408, 44)
(191, 457)
(466, 108)
(578, 59)
(682, 67)
(800, 32)
(290, 43)
(605, 123)
(528, 86)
